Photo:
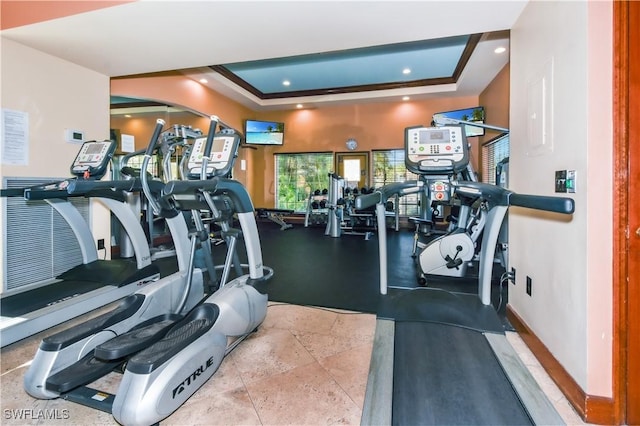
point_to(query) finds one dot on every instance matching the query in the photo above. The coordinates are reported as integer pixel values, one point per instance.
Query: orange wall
(141, 125)
(495, 99)
(175, 89)
(376, 125)
(15, 13)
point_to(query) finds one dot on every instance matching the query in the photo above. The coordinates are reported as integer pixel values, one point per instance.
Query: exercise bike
(497, 199)
(170, 339)
(440, 157)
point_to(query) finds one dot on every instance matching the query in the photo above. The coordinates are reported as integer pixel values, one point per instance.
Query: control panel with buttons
(436, 149)
(93, 159)
(223, 151)
(439, 190)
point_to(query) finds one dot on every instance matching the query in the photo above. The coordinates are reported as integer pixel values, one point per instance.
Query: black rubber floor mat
(440, 306)
(445, 375)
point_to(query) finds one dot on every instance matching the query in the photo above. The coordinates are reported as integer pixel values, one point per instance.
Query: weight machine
(345, 218)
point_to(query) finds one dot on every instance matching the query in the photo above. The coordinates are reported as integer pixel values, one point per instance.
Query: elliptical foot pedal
(183, 333)
(138, 338)
(84, 371)
(64, 338)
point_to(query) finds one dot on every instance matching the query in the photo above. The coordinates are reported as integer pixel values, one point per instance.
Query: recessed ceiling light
(286, 83)
(127, 115)
(500, 49)
(406, 71)
(299, 106)
(405, 98)
(203, 81)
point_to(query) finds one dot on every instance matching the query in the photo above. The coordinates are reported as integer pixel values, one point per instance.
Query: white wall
(561, 119)
(55, 94)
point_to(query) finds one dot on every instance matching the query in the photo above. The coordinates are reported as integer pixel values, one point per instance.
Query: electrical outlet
(513, 275)
(101, 244)
(529, 285)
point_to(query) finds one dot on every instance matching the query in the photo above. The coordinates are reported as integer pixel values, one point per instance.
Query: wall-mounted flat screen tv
(475, 114)
(258, 132)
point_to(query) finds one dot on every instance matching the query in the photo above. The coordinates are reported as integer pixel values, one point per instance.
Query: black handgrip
(37, 193)
(212, 132)
(12, 192)
(154, 138)
(551, 204)
(80, 187)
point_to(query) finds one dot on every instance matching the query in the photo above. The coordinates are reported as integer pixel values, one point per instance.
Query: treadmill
(442, 357)
(95, 282)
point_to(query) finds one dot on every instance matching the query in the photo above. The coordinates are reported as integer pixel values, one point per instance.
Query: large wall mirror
(132, 124)
(136, 118)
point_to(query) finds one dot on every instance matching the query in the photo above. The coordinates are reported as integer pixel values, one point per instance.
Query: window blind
(493, 152)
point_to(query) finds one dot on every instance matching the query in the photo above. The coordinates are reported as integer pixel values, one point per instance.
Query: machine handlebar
(382, 194)
(154, 137)
(493, 194)
(215, 186)
(145, 164)
(79, 187)
(12, 192)
(551, 204)
(213, 127)
(504, 197)
(40, 193)
(368, 200)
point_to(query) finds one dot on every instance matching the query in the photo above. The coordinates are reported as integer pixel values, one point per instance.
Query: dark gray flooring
(314, 269)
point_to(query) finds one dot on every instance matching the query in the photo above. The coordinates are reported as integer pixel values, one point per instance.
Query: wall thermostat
(73, 136)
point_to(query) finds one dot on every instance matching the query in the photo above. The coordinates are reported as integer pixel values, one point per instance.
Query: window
(493, 152)
(389, 167)
(352, 170)
(298, 175)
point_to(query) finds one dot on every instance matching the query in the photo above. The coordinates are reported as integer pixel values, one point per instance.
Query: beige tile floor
(304, 366)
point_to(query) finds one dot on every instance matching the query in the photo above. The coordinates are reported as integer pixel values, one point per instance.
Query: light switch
(561, 181)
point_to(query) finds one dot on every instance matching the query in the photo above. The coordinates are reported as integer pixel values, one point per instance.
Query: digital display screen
(93, 148)
(218, 145)
(434, 136)
(437, 136)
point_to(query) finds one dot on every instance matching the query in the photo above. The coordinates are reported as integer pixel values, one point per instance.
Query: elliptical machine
(169, 338)
(171, 142)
